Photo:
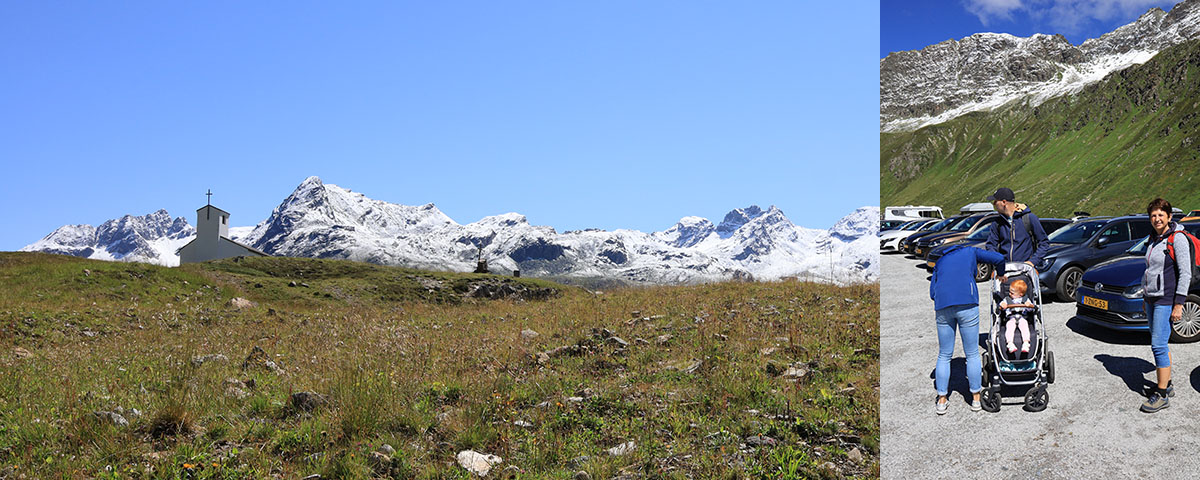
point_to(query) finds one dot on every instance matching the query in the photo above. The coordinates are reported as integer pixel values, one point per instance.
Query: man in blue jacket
(1018, 235)
(956, 306)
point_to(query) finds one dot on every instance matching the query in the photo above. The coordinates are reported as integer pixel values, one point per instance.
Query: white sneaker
(976, 406)
(942, 407)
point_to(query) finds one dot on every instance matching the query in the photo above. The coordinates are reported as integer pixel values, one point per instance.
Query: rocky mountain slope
(1107, 149)
(988, 70)
(321, 220)
(150, 238)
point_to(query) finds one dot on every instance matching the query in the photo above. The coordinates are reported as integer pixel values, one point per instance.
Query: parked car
(1110, 295)
(1083, 244)
(978, 239)
(886, 225)
(928, 242)
(890, 239)
(964, 224)
(907, 244)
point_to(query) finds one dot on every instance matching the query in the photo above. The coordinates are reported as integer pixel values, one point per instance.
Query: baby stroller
(1034, 369)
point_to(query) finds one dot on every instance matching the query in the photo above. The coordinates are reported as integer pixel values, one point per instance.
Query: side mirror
(1103, 242)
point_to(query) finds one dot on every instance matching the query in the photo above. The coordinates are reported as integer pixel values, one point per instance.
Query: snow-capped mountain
(327, 221)
(988, 70)
(150, 238)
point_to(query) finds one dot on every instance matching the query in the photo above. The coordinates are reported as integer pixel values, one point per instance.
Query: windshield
(982, 233)
(913, 225)
(939, 225)
(1077, 233)
(965, 224)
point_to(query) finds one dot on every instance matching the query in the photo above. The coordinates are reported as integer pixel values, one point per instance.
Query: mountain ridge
(327, 221)
(986, 71)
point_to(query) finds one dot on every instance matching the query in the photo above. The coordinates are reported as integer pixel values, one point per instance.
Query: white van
(911, 212)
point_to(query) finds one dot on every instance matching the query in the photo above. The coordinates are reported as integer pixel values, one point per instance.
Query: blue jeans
(1159, 317)
(965, 318)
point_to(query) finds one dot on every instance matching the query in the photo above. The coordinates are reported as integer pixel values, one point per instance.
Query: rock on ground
(622, 449)
(477, 463)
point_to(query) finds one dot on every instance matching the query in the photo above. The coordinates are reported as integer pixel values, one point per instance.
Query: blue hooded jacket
(1015, 243)
(953, 281)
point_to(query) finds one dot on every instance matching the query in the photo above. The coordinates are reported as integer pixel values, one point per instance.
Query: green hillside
(287, 368)
(1109, 149)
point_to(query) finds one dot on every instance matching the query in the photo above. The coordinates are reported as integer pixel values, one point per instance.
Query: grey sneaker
(1156, 402)
(942, 407)
(976, 406)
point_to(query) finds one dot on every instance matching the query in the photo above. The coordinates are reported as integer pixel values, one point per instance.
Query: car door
(1112, 240)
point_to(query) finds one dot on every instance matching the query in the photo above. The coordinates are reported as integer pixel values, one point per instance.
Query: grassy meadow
(730, 380)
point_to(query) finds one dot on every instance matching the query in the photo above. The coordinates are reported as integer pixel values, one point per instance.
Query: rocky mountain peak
(736, 218)
(986, 71)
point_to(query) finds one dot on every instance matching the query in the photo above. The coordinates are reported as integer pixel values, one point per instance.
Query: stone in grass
(199, 360)
(618, 341)
(386, 449)
(259, 360)
(622, 449)
(761, 441)
(796, 372)
(582, 475)
(855, 455)
(241, 303)
(22, 353)
(307, 401)
(528, 334)
(478, 463)
(663, 339)
(113, 418)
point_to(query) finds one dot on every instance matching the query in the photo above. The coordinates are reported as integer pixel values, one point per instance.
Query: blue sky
(616, 114)
(915, 24)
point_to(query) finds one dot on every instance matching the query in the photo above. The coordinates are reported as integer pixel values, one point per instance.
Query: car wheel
(983, 271)
(1188, 328)
(1068, 284)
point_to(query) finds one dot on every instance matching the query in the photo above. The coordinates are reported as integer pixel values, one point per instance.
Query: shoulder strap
(1028, 226)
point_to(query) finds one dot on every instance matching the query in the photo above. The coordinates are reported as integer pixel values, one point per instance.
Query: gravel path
(1092, 428)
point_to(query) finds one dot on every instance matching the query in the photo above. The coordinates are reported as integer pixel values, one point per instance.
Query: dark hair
(1159, 204)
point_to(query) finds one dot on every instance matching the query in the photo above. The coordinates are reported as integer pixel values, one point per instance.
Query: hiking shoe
(1156, 402)
(942, 407)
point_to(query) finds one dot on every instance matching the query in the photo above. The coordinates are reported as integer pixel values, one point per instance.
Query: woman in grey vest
(1165, 287)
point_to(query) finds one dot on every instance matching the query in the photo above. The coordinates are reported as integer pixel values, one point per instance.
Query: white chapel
(212, 239)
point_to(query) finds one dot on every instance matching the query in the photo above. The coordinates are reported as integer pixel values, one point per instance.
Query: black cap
(1002, 193)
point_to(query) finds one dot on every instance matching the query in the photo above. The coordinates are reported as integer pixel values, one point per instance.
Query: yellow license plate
(920, 251)
(1095, 302)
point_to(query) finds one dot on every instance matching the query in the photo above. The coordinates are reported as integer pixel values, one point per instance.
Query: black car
(978, 239)
(1083, 244)
(909, 244)
(973, 224)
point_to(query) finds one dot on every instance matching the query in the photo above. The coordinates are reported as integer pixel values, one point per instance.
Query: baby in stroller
(1017, 308)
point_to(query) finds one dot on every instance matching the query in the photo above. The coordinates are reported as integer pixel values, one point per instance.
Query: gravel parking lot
(1091, 429)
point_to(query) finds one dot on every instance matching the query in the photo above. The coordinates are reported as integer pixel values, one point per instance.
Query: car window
(1140, 229)
(1076, 233)
(965, 224)
(938, 225)
(982, 233)
(1139, 248)
(1117, 232)
(1052, 226)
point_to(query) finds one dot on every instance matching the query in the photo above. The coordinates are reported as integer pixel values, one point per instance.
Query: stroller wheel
(1037, 399)
(990, 400)
(1049, 367)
